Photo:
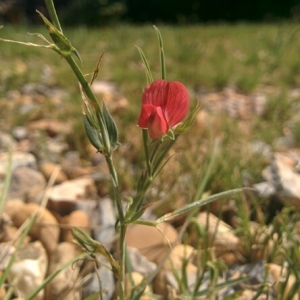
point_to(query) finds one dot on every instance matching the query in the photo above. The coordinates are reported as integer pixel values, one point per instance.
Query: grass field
(248, 58)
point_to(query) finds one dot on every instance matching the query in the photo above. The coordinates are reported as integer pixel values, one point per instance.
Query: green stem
(114, 176)
(107, 151)
(81, 78)
(135, 206)
(155, 150)
(87, 89)
(53, 15)
(138, 199)
(118, 200)
(146, 149)
(122, 261)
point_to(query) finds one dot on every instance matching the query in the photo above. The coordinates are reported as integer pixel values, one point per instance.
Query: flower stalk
(101, 121)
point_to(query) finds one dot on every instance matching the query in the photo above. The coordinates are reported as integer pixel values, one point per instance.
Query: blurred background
(107, 12)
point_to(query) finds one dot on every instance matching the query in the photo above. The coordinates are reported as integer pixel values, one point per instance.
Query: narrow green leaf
(146, 223)
(208, 170)
(142, 181)
(197, 204)
(162, 54)
(92, 134)
(111, 128)
(146, 65)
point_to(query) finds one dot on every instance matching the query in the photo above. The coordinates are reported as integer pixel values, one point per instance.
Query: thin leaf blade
(197, 204)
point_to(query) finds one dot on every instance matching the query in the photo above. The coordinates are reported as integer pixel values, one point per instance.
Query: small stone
(139, 262)
(6, 252)
(54, 148)
(264, 189)
(261, 148)
(2, 289)
(112, 97)
(153, 243)
(279, 275)
(107, 281)
(281, 174)
(72, 167)
(30, 267)
(104, 220)
(45, 228)
(137, 278)
(90, 208)
(26, 145)
(63, 196)
(180, 255)
(250, 294)
(221, 236)
(8, 232)
(284, 142)
(27, 184)
(78, 219)
(262, 243)
(255, 271)
(103, 87)
(64, 282)
(19, 159)
(27, 107)
(7, 142)
(48, 168)
(52, 127)
(236, 105)
(20, 133)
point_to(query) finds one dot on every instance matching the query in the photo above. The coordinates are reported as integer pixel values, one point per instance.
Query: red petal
(177, 103)
(146, 111)
(158, 125)
(156, 93)
(172, 97)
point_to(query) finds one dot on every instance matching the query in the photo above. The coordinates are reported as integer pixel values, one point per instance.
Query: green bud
(59, 39)
(92, 133)
(111, 128)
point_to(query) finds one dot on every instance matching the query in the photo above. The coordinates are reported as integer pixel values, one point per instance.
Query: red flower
(164, 105)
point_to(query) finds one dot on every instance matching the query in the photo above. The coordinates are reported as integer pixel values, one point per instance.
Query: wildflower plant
(163, 118)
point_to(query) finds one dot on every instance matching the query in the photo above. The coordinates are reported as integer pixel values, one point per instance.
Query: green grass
(250, 57)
